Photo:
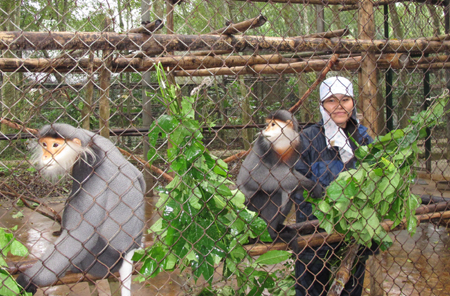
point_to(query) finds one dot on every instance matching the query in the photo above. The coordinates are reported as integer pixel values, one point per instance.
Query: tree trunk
(246, 113)
(87, 110)
(105, 82)
(368, 103)
(9, 83)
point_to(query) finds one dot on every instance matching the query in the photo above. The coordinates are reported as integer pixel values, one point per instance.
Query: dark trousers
(313, 275)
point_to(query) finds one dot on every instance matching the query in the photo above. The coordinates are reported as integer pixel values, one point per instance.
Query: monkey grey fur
(268, 178)
(103, 216)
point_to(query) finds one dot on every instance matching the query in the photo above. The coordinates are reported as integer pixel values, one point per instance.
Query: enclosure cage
(181, 90)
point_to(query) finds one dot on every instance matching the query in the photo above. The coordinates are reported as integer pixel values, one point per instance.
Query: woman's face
(340, 108)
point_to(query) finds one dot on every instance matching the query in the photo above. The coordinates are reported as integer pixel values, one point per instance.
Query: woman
(327, 151)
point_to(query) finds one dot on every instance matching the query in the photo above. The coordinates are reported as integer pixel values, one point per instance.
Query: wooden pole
(344, 272)
(122, 64)
(105, 82)
(309, 66)
(13, 40)
(88, 99)
(319, 79)
(368, 85)
(352, 3)
(386, 2)
(242, 26)
(329, 34)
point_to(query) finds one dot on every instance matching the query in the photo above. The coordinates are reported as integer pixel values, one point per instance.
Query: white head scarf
(334, 135)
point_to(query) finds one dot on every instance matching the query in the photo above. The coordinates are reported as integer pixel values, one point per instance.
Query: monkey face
(280, 134)
(276, 130)
(57, 155)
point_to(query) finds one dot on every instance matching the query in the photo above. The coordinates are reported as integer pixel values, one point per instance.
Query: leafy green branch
(358, 201)
(203, 222)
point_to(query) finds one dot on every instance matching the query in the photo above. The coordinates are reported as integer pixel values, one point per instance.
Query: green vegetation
(203, 222)
(8, 244)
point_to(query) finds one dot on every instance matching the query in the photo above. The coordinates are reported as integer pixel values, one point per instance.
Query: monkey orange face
(51, 147)
(276, 129)
(56, 152)
(281, 135)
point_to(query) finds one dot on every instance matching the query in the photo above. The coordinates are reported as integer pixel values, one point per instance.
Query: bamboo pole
(242, 26)
(14, 40)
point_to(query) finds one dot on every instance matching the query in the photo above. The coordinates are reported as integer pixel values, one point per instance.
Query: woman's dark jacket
(321, 164)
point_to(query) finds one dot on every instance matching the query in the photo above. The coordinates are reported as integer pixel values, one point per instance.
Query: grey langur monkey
(268, 178)
(103, 218)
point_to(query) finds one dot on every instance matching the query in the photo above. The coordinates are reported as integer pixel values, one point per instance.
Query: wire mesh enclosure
(207, 147)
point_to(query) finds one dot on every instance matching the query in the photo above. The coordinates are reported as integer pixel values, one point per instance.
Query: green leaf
(8, 285)
(193, 152)
(273, 257)
(167, 123)
(324, 207)
(138, 255)
(18, 249)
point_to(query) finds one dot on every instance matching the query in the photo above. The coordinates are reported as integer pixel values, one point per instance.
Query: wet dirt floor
(417, 265)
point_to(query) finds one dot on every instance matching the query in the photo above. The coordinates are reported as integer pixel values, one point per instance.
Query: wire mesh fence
(206, 147)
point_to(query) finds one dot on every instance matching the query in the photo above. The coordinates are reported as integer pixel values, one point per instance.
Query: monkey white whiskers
(103, 217)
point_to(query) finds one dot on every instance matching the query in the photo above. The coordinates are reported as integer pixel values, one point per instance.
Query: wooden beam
(386, 2)
(346, 2)
(148, 28)
(317, 2)
(166, 43)
(329, 34)
(134, 64)
(221, 65)
(242, 26)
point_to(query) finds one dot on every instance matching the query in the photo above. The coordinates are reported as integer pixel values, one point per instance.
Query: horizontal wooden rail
(167, 43)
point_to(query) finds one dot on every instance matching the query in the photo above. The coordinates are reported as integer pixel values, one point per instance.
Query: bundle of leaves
(358, 201)
(203, 222)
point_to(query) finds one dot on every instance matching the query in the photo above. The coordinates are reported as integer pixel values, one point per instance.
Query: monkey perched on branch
(268, 178)
(103, 217)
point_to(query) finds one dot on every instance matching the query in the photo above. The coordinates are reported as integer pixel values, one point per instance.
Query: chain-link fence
(203, 186)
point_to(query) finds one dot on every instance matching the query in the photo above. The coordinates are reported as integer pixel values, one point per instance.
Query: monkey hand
(317, 191)
(23, 281)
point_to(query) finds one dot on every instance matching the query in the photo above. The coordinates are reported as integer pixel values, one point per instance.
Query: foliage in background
(203, 222)
(8, 244)
(379, 188)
